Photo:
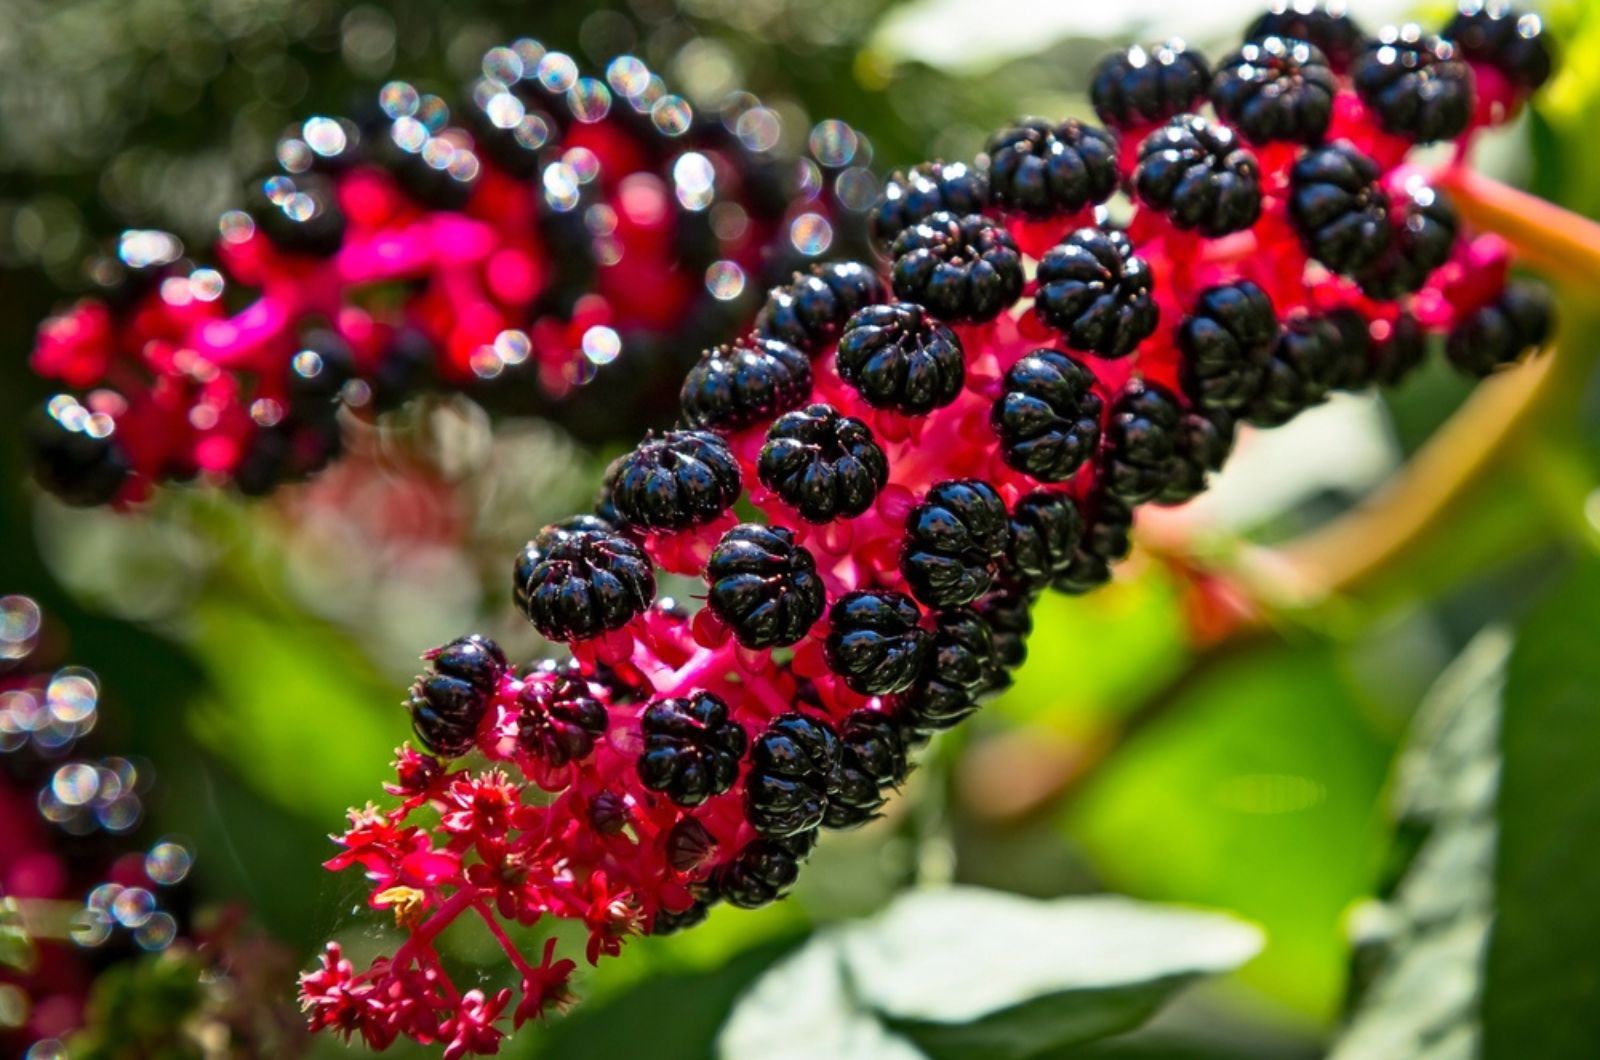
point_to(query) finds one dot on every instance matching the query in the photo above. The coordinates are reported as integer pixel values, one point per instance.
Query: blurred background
(1404, 867)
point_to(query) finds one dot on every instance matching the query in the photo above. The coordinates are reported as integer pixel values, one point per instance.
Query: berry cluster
(74, 890)
(564, 221)
(924, 448)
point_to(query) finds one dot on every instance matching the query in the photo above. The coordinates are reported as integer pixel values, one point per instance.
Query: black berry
(300, 215)
(810, 311)
(1203, 440)
(953, 540)
(959, 268)
(794, 768)
(445, 712)
(577, 585)
(1045, 530)
(872, 760)
(764, 870)
(960, 667)
(318, 373)
(1226, 343)
(1047, 416)
(559, 722)
(675, 481)
(1502, 37)
(1276, 90)
(691, 748)
(1095, 291)
(1414, 84)
(824, 464)
(1141, 440)
(898, 357)
(764, 586)
(474, 658)
(1325, 25)
(1009, 612)
(1303, 368)
(1423, 232)
(1399, 352)
(927, 189)
(1196, 173)
(1105, 541)
(73, 457)
(738, 384)
(1501, 332)
(670, 922)
(1338, 208)
(874, 641)
(1044, 169)
(1138, 88)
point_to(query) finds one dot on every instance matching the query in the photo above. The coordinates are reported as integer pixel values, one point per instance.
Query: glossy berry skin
(559, 723)
(1047, 416)
(1095, 291)
(670, 922)
(1415, 85)
(317, 374)
(1275, 90)
(1045, 531)
(1303, 368)
(764, 586)
(1196, 173)
(764, 870)
(691, 748)
(874, 641)
(1226, 343)
(1043, 169)
(583, 584)
(924, 190)
(959, 268)
(872, 760)
(825, 465)
(953, 540)
(300, 215)
(794, 769)
(810, 311)
(1141, 441)
(1501, 36)
(445, 712)
(1338, 209)
(73, 464)
(899, 357)
(1327, 25)
(474, 658)
(1009, 612)
(1105, 541)
(960, 667)
(675, 481)
(1399, 353)
(1204, 438)
(1502, 332)
(1139, 88)
(738, 384)
(1424, 227)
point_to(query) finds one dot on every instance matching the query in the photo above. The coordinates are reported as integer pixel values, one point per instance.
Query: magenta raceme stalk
(927, 448)
(568, 223)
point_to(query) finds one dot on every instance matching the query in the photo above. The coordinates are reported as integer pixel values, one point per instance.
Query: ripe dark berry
(583, 583)
(1303, 368)
(1399, 352)
(691, 748)
(1325, 25)
(474, 658)
(1141, 439)
(1009, 612)
(1414, 84)
(300, 215)
(445, 712)
(960, 667)
(1045, 528)
(927, 189)
(764, 586)
(1139, 88)
(874, 641)
(741, 383)
(959, 268)
(810, 311)
(72, 458)
(1043, 169)
(403, 370)
(824, 464)
(1226, 343)
(1338, 208)
(1196, 173)
(1423, 224)
(1355, 367)
(559, 722)
(675, 481)
(1096, 292)
(872, 760)
(898, 357)
(794, 769)
(668, 922)
(1276, 90)
(1500, 36)
(953, 540)
(1204, 439)
(1105, 541)
(1502, 332)
(764, 870)
(1047, 416)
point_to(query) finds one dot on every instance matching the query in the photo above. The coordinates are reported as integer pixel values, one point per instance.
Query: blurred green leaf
(1255, 794)
(964, 972)
(144, 1008)
(16, 945)
(1542, 995)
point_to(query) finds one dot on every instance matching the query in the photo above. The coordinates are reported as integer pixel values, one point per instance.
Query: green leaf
(966, 972)
(1542, 993)
(16, 945)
